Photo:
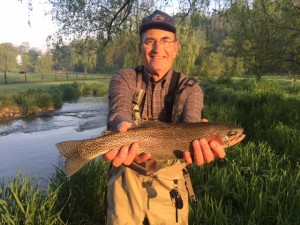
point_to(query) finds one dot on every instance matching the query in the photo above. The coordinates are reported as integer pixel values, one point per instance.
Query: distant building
(19, 59)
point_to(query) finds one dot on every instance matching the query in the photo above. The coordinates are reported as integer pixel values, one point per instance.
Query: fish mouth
(236, 139)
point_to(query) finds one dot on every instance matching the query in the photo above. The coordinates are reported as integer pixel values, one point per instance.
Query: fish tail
(68, 148)
(73, 162)
(73, 165)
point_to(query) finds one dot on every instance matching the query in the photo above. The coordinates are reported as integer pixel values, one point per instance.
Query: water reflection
(30, 143)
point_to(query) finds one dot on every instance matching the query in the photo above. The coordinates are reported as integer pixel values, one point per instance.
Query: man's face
(158, 49)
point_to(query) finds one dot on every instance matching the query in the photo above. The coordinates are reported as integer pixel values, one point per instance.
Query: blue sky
(14, 26)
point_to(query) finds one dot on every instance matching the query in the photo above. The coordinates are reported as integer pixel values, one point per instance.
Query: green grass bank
(257, 183)
(17, 100)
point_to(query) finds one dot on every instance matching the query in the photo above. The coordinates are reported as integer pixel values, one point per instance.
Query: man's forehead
(157, 34)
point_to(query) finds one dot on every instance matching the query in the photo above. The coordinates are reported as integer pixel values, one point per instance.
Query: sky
(14, 26)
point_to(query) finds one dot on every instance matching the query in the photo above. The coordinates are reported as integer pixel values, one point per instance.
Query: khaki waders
(132, 197)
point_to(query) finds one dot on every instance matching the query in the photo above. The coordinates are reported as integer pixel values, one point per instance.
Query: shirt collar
(165, 81)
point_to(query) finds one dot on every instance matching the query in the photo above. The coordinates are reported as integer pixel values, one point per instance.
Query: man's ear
(177, 47)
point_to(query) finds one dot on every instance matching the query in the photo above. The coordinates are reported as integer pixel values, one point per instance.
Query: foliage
(23, 201)
(212, 66)
(33, 55)
(27, 102)
(83, 194)
(62, 58)
(84, 52)
(8, 55)
(6, 100)
(26, 64)
(33, 101)
(70, 92)
(43, 64)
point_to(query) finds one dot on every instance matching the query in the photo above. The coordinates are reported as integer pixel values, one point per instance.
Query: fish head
(228, 136)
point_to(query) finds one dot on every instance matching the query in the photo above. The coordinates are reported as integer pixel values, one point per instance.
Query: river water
(29, 144)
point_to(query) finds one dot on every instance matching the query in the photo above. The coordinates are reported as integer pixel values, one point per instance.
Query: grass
(34, 98)
(22, 87)
(13, 78)
(258, 183)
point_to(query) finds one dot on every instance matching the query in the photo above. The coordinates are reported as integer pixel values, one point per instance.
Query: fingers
(204, 152)
(124, 126)
(204, 120)
(131, 154)
(187, 157)
(117, 156)
(142, 157)
(217, 149)
(126, 155)
(110, 155)
(199, 157)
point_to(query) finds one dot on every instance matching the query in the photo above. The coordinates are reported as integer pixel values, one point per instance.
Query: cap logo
(158, 18)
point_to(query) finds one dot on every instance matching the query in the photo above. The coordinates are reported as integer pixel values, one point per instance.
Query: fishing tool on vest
(151, 192)
(176, 199)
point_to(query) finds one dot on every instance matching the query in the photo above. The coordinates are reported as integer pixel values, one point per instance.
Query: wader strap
(181, 97)
(170, 97)
(138, 96)
(189, 186)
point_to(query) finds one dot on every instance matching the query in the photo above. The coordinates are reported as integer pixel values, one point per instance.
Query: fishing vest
(174, 103)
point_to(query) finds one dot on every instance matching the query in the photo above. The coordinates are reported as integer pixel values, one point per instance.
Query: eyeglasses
(163, 42)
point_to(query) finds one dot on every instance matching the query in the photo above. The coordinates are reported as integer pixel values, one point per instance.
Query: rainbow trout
(164, 141)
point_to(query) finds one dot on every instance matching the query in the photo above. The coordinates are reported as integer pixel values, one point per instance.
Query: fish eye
(232, 133)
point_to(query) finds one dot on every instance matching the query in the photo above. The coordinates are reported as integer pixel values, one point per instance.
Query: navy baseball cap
(158, 20)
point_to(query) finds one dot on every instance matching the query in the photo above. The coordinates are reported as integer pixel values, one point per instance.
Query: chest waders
(174, 102)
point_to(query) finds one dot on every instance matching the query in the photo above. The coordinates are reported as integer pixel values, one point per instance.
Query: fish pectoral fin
(73, 165)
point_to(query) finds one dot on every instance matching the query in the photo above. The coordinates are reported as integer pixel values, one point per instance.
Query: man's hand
(204, 151)
(126, 154)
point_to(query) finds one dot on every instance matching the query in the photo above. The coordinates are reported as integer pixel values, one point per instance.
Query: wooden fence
(13, 78)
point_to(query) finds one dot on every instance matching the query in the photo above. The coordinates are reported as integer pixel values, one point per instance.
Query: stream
(28, 144)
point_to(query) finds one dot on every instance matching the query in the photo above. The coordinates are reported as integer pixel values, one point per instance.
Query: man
(134, 198)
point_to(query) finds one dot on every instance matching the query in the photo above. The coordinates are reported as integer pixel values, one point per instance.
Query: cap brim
(157, 25)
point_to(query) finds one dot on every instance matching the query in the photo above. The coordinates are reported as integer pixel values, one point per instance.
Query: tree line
(218, 38)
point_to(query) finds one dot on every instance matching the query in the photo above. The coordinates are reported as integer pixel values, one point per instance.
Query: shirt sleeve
(121, 90)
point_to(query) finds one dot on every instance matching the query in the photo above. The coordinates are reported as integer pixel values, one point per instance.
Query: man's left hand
(204, 151)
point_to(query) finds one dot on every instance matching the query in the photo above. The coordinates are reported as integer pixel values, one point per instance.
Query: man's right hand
(126, 154)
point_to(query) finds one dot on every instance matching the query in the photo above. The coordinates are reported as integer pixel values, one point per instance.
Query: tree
(84, 52)
(265, 33)
(62, 57)
(8, 55)
(108, 18)
(213, 65)
(33, 56)
(43, 65)
(25, 64)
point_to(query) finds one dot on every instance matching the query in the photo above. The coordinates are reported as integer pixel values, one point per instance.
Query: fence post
(5, 79)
